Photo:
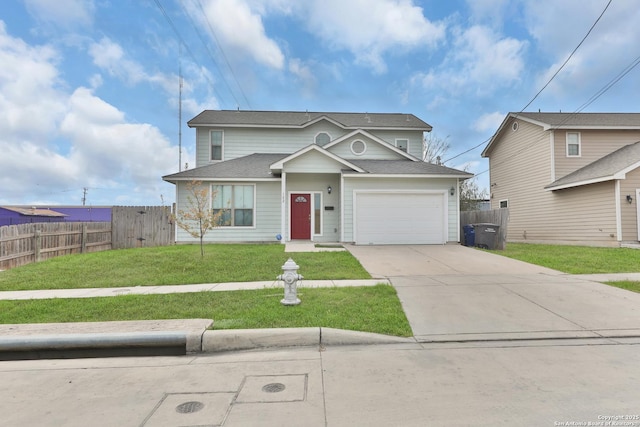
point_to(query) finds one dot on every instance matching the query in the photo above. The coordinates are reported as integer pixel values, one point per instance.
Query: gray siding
(374, 150)
(267, 217)
(399, 184)
(319, 183)
(313, 162)
(239, 142)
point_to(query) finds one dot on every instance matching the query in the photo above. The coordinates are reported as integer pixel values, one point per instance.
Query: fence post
(37, 242)
(83, 241)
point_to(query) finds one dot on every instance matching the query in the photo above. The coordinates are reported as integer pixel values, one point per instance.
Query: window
(358, 147)
(216, 137)
(317, 213)
(504, 203)
(402, 144)
(573, 144)
(322, 138)
(234, 204)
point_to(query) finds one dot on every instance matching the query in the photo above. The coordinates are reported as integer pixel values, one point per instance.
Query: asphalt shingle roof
(594, 120)
(300, 118)
(256, 166)
(602, 169)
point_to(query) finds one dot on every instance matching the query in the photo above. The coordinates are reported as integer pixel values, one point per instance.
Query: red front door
(301, 216)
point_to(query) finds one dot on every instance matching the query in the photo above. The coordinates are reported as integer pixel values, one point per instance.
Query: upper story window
(217, 139)
(358, 147)
(402, 144)
(322, 138)
(573, 144)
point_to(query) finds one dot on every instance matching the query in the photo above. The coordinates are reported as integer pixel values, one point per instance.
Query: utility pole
(84, 196)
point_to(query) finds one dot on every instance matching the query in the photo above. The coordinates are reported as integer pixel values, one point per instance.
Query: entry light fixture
(452, 191)
(329, 189)
(629, 198)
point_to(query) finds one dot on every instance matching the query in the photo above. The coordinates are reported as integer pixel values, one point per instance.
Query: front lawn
(177, 265)
(369, 309)
(576, 259)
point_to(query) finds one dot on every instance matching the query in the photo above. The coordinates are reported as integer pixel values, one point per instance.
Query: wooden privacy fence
(26, 243)
(141, 226)
(497, 216)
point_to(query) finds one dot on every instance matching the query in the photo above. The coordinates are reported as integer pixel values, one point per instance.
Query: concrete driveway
(455, 293)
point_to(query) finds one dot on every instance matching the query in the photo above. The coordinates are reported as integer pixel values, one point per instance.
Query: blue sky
(89, 89)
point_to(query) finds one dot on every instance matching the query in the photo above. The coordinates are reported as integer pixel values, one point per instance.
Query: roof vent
(367, 118)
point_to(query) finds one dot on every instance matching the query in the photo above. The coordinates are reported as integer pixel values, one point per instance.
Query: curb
(216, 341)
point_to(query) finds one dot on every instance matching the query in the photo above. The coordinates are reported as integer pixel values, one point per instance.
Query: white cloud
(488, 122)
(64, 13)
(110, 56)
(371, 29)
(609, 48)
(479, 60)
(52, 140)
(240, 28)
(303, 74)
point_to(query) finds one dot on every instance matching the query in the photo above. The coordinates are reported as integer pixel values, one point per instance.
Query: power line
(215, 37)
(548, 82)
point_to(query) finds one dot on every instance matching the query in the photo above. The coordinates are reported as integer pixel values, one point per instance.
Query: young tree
(435, 148)
(198, 218)
(470, 194)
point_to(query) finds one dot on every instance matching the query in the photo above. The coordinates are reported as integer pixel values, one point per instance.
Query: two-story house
(568, 178)
(325, 177)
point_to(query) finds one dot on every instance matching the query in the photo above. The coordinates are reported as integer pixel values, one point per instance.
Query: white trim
(403, 139)
(552, 143)
(581, 183)
(255, 207)
(316, 136)
(566, 140)
(457, 203)
(279, 165)
(390, 175)
(500, 203)
(364, 147)
(342, 208)
(313, 217)
(618, 211)
(283, 208)
(209, 179)
(638, 212)
(221, 146)
(374, 138)
(445, 209)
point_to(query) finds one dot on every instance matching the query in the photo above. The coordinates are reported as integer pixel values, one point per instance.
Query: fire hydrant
(290, 278)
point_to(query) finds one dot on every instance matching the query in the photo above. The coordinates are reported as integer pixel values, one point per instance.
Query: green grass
(628, 285)
(370, 309)
(576, 259)
(176, 265)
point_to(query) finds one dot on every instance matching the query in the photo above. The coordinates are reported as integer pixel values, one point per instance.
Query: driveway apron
(455, 293)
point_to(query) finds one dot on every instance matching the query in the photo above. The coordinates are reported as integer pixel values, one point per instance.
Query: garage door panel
(399, 218)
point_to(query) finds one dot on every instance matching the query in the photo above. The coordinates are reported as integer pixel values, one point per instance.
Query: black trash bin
(469, 235)
(486, 235)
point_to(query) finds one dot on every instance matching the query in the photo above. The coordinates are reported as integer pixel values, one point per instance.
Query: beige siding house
(324, 177)
(568, 178)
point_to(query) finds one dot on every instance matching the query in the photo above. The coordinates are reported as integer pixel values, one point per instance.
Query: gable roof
(258, 167)
(549, 121)
(279, 164)
(301, 119)
(382, 142)
(612, 166)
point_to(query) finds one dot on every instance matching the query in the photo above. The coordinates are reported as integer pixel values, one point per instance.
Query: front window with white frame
(216, 138)
(504, 203)
(402, 144)
(573, 144)
(234, 205)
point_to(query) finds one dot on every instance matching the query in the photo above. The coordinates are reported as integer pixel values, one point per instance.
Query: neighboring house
(325, 177)
(14, 215)
(571, 178)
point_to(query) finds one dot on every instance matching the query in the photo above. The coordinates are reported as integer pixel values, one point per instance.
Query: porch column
(283, 207)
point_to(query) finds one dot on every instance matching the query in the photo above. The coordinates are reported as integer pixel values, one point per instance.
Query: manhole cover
(189, 407)
(273, 388)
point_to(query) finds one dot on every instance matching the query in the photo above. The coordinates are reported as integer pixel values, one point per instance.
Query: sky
(90, 89)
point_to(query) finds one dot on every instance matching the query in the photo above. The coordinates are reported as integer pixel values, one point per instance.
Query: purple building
(12, 215)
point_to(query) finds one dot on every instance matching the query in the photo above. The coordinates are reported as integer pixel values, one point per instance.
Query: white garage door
(384, 218)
